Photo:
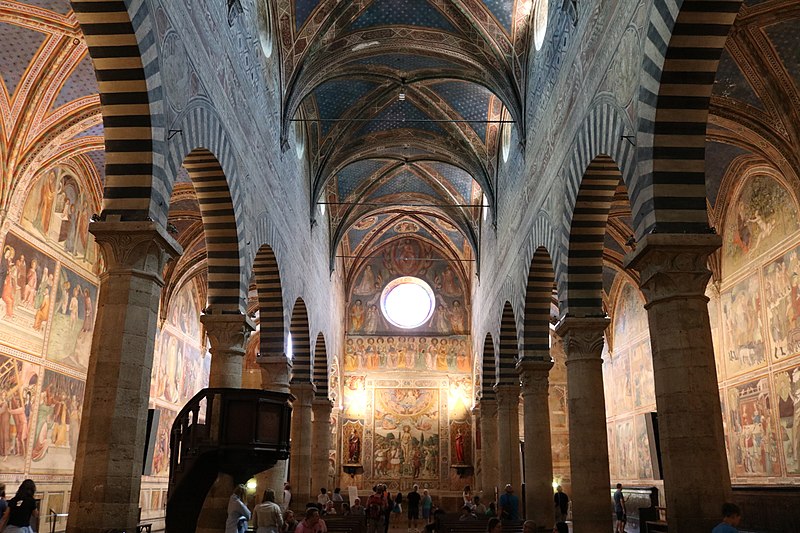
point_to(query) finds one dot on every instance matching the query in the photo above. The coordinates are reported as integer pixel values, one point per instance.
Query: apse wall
(49, 276)
(407, 394)
(754, 310)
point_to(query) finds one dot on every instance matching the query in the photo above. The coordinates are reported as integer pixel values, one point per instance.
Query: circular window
(539, 23)
(506, 140)
(407, 302)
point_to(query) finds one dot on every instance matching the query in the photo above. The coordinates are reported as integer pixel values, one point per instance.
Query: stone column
(674, 275)
(534, 370)
(477, 472)
(489, 455)
(321, 410)
(227, 334)
(276, 370)
(588, 440)
(108, 469)
(300, 471)
(508, 464)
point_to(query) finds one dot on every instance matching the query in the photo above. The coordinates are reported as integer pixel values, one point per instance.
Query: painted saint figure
(354, 448)
(460, 455)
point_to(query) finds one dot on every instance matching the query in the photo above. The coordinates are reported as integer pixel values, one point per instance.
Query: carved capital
(507, 396)
(276, 371)
(534, 376)
(583, 336)
(304, 393)
(322, 406)
(673, 266)
(488, 408)
(140, 247)
(228, 333)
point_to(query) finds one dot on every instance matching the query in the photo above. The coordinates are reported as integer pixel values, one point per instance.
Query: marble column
(673, 277)
(321, 409)
(588, 440)
(300, 471)
(534, 371)
(509, 463)
(276, 370)
(478, 470)
(227, 335)
(108, 469)
(489, 456)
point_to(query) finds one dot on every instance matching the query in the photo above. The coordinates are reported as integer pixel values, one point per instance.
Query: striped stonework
(122, 47)
(584, 283)
(219, 225)
(509, 348)
(270, 302)
(489, 369)
(538, 300)
(301, 343)
(321, 367)
(683, 48)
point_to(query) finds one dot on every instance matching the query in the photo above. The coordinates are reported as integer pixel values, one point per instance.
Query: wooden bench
(345, 524)
(450, 523)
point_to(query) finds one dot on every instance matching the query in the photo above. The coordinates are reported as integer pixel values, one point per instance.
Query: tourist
(509, 504)
(357, 509)
(619, 509)
(337, 499)
(238, 513)
(561, 527)
(397, 510)
(20, 509)
(375, 510)
(427, 503)
(289, 522)
(466, 514)
(561, 504)
(329, 508)
(731, 516)
(467, 495)
(287, 497)
(494, 525)
(268, 515)
(346, 511)
(312, 523)
(323, 497)
(414, 500)
(477, 507)
(529, 526)
(491, 511)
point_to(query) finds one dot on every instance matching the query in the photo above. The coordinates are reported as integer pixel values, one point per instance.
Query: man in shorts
(619, 508)
(413, 499)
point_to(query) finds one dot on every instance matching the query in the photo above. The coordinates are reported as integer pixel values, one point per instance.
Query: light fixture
(251, 484)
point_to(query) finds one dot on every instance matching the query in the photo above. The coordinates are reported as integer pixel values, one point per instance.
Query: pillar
(108, 469)
(300, 472)
(489, 457)
(534, 371)
(673, 277)
(588, 440)
(276, 370)
(509, 465)
(227, 334)
(477, 437)
(321, 410)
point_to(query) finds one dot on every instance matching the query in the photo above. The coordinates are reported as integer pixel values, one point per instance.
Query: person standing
(323, 497)
(731, 516)
(427, 504)
(287, 496)
(268, 515)
(3, 502)
(561, 504)
(619, 509)
(509, 504)
(238, 513)
(21, 508)
(375, 510)
(337, 500)
(414, 500)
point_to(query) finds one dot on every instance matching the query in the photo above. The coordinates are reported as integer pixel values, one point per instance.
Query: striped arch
(301, 343)
(270, 302)
(509, 348)
(679, 66)
(219, 225)
(321, 367)
(122, 46)
(583, 283)
(538, 300)
(489, 369)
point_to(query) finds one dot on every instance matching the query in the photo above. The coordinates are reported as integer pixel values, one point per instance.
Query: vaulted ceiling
(403, 104)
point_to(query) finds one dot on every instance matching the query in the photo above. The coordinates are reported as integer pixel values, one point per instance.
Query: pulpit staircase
(239, 432)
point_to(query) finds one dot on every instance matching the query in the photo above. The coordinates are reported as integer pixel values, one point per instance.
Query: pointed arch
(489, 368)
(583, 283)
(509, 348)
(301, 343)
(321, 367)
(270, 302)
(538, 301)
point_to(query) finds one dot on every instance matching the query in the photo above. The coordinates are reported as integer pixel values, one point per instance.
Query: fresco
(55, 438)
(763, 214)
(27, 279)
(644, 463)
(397, 352)
(401, 258)
(743, 339)
(630, 317)
(73, 320)
(460, 443)
(161, 452)
(18, 386)
(406, 434)
(751, 430)
(626, 449)
(787, 391)
(57, 211)
(782, 298)
(643, 383)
